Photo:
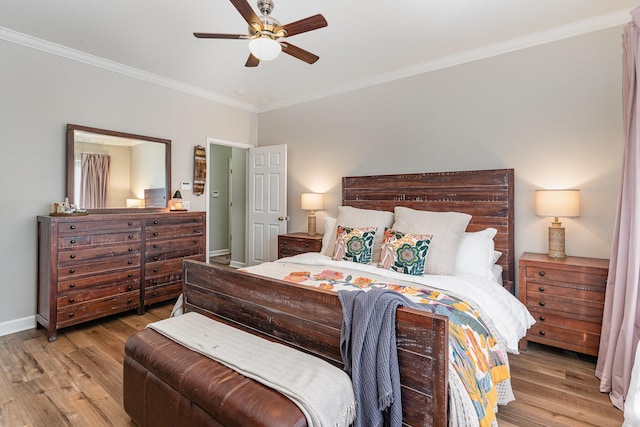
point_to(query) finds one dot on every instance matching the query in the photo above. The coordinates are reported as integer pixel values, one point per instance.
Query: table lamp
(557, 203)
(311, 202)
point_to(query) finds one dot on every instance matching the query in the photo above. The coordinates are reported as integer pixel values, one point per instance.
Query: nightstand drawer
(298, 243)
(584, 276)
(578, 322)
(570, 339)
(582, 292)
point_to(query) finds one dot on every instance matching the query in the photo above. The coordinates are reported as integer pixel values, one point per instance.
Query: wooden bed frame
(310, 319)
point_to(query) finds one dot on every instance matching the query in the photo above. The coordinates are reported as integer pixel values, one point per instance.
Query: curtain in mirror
(94, 191)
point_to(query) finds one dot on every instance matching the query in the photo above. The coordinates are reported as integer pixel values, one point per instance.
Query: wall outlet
(186, 204)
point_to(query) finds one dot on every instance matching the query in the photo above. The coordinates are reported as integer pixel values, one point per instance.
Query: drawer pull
(155, 245)
(155, 282)
(129, 262)
(284, 251)
(71, 314)
(72, 256)
(195, 230)
(73, 242)
(541, 288)
(155, 258)
(129, 287)
(541, 303)
(155, 221)
(130, 249)
(130, 223)
(284, 243)
(130, 236)
(155, 294)
(72, 300)
(542, 333)
(129, 300)
(155, 233)
(542, 319)
(72, 271)
(155, 270)
(541, 273)
(73, 227)
(195, 219)
(72, 285)
(129, 275)
(306, 245)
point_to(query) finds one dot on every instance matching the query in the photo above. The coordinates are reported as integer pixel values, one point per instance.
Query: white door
(267, 202)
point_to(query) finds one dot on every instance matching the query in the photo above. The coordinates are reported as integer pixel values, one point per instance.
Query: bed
(273, 301)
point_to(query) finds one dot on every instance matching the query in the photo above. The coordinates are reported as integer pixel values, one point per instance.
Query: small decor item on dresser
(65, 208)
(176, 202)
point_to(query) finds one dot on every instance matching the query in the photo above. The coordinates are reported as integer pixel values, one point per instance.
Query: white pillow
(496, 256)
(446, 228)
(360, 218)
(476, 254)
(329, 230)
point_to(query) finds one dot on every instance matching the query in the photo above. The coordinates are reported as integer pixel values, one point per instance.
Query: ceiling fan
(265, 31)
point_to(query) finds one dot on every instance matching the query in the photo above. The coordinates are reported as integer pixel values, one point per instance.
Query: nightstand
(298, 243)
(566, 297)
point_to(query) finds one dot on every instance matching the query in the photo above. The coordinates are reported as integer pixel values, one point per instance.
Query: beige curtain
(95, 181)
(621, 322)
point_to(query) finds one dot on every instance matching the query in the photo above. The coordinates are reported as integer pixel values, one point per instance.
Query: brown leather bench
(166, 384)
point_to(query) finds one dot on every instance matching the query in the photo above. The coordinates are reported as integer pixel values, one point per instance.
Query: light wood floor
(77, 380)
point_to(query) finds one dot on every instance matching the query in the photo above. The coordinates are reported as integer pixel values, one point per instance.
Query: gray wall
(40, 94)
(552, 112)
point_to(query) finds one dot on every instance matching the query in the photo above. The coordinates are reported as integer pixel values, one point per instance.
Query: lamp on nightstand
(557, 203)
(311, 202)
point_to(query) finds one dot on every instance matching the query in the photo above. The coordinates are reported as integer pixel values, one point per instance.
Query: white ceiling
(365, 43)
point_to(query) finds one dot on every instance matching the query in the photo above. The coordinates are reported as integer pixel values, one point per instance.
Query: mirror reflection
(109, 169)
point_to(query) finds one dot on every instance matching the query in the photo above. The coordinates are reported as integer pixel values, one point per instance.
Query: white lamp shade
(264, 48)
(558, 203)
(311, 201)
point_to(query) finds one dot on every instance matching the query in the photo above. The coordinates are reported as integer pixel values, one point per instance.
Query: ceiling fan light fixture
(265, 48)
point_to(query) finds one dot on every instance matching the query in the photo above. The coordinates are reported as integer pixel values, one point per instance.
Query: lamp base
(311, 224)
(556, 241)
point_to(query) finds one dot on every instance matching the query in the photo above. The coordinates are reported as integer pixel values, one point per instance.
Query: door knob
(283, 218)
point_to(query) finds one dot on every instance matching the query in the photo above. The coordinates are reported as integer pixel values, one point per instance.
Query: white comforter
(505, 316)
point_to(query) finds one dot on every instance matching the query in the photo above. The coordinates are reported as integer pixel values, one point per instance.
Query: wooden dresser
(566, 297)
(96, 265)
(298, 243)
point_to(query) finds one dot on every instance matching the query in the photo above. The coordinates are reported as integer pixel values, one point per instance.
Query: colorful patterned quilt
(474, 353)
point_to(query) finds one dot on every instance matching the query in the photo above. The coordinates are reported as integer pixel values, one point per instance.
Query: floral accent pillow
(404, 252)
(354, 244)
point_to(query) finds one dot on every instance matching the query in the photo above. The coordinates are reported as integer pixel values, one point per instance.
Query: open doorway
(227, 201)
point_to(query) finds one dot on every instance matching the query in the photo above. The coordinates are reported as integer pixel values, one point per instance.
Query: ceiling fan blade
(252, 61)
(301, 54)
(247, 13)
(302, 26)
(221, 36)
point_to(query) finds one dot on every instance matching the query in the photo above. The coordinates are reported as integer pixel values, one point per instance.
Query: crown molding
(543, 37)
(96, 61)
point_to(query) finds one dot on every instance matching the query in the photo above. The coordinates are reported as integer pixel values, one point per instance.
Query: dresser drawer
(130, 277)
(74, 298)
(99, 266)
(585, 276)
(73, 256)
(161, 293)
(166, 267)
(166, 232)
(174, 219)
(97, 308)
(69, 242)
(193, 251)
(156, 246)
(98, 227)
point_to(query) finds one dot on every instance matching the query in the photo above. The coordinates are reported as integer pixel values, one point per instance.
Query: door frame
(227, 143)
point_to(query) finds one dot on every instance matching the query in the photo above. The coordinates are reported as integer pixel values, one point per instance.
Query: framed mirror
(110, 171)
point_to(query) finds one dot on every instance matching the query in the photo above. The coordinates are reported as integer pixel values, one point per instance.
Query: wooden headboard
(487, 195)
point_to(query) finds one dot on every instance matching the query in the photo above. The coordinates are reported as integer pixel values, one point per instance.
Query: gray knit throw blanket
(368, 349)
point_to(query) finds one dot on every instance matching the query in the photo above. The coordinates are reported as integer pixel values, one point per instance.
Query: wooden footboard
(310, 319)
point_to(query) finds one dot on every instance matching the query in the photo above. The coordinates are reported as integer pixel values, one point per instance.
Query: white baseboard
(236, 264)
(17, 325)
(219, 252)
